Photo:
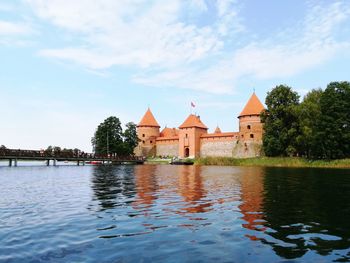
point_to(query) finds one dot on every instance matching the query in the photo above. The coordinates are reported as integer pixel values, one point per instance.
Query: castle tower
(147, 132)
(189, 136)
(250, 126)
(217, 130)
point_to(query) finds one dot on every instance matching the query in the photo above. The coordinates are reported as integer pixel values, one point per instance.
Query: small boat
(181, 162)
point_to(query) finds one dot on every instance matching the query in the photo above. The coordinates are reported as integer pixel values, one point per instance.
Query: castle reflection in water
(276, 207)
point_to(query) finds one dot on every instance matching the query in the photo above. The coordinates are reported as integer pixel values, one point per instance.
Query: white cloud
(133, 33)
(199, 4)
(218, 78)
(15, 33)
(311, 44)
(168, 51)
(14, 29)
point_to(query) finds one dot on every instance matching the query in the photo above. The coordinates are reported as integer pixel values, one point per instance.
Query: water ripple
(158, 213)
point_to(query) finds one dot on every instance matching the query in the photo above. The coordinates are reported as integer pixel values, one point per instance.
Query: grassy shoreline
(273, 162)
(157, 161)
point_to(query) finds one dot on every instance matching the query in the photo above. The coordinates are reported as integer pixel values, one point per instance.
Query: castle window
(242, 136)
(143, 142)
(248, 127)
(251, 135)
(151, 141)
(143, 135)
(186, 135)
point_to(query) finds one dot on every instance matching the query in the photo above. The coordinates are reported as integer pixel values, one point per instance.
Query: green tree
(49, 150)
(309, 112)
(3, 147)
(57, 150)
(130, 138)
(76, 151)
(281, 122)
(333, 126)
(108, 137)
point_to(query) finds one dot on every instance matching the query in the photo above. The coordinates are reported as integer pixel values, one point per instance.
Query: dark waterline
(162, 213)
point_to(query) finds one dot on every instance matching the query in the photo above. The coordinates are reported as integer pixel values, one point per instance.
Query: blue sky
(68, 65)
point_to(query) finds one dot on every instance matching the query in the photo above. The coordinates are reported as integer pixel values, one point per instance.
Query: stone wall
(168, 149)
(232, 148)
(146, 151)
(247, 149)
(217, 148)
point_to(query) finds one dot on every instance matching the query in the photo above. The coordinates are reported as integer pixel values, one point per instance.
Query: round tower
(147, 132)
(250, 126)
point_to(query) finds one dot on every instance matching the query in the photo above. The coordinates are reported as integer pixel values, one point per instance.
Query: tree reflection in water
(113, 185)
(305, 210)
(292, 210)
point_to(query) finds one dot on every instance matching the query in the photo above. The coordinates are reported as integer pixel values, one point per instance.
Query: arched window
(251, 135)
(187, 152)
(248, 127)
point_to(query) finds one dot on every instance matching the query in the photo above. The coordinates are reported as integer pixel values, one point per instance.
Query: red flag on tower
(192, 104)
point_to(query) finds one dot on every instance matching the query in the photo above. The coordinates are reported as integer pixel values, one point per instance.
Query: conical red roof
(253, 107)
(169, 132)
(193, 121)
(217, 130)
(148, 120)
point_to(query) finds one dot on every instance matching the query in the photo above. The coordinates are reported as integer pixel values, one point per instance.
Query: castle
(192, 139)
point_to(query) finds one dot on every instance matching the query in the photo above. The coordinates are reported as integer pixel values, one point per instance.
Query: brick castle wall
(168, 149)
(217, 148)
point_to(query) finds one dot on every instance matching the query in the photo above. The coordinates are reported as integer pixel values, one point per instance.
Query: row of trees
(316, 128)
(110, 138)
(56, 150)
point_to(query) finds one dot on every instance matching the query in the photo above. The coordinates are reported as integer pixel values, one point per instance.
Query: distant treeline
(109, 139)
(56, 150)
(318, 127)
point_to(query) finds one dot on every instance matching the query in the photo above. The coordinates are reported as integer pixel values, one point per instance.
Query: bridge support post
(54, 162)
(48, 162)
(78, 163)
(83, 163)
(15, 162)
(10, 162)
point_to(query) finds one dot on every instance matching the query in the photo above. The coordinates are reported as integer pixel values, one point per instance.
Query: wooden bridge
(13, 156)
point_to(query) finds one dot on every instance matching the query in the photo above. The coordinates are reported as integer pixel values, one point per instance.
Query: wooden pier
(13, 156)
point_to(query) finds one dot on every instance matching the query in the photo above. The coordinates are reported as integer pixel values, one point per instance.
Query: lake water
(164, 213)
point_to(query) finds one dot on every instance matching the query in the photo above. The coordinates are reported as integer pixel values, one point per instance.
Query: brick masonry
(232, 148)
(168, 149)
(217, 148)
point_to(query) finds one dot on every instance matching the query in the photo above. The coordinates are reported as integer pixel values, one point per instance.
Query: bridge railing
(18, 153)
